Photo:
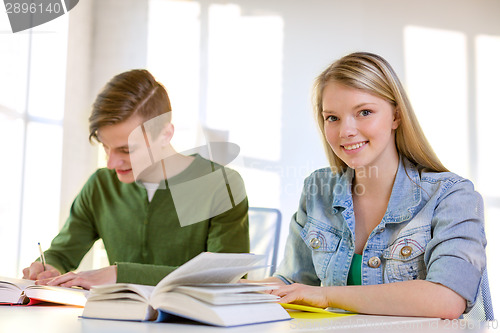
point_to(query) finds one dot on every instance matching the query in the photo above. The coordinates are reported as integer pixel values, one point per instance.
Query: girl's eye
(331, 118)
(365, 113)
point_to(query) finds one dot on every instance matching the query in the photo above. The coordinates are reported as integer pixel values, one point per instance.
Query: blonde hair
(373, 74)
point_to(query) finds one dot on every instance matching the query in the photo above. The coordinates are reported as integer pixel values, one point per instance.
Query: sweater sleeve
(77, 235)
(229, 231)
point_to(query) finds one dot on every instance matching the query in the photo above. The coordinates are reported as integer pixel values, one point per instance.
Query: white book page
(12, 283)
(55, 294)
(210, 267)
(227, 288)
(226, 298)
(214, 275)
(121, 288)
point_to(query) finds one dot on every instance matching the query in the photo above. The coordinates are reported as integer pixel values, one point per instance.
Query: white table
(63, 319)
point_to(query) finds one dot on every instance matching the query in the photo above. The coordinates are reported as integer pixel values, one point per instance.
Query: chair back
(483, 309)
(264, 227)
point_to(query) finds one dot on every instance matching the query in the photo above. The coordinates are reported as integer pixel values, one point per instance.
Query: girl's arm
(409, 298)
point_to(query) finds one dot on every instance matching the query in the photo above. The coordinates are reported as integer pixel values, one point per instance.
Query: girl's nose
(348, 128)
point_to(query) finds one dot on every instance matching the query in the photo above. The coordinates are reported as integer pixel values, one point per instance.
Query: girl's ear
(397, 118)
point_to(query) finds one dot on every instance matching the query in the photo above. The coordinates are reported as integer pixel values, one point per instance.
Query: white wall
(106, 38)
(308, 35)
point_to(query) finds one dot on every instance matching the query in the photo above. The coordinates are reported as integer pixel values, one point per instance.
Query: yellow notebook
(298, 311)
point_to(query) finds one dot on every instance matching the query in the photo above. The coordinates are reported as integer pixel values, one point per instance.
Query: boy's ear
(167, 133)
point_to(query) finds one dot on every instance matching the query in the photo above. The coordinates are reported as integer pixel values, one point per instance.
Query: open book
(19, 291)
(204, 289)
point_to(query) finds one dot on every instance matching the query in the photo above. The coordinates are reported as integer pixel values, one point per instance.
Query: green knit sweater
(145, 239)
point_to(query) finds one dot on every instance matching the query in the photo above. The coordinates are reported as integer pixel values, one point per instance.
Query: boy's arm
(73, 241)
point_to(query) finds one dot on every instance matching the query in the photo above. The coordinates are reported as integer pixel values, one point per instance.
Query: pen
(42, 257)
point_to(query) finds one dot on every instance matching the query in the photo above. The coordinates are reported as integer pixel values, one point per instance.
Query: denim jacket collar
(405, 196)
(342, 196)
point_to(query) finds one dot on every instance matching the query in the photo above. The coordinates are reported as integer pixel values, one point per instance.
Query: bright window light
(436, 79)
(14, 50)
(488, 117)
(48, 69)
(33, 72)
(255, 178)
(223, 74)
(173, 58)
(42, 186)
(244, 79)
(488, 112)
(11, 138)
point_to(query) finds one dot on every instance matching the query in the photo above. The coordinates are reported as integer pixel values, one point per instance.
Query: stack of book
(204, 289)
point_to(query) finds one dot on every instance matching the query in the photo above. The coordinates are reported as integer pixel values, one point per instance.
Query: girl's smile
(354, 147)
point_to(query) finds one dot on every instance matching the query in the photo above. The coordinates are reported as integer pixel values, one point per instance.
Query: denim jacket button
(406, 251)
(315, 243)
(374, 262)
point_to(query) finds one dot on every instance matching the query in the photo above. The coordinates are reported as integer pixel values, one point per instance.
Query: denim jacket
(433, 229)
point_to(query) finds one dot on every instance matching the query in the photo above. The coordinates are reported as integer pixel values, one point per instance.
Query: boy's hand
(36, 271)
(85, 279)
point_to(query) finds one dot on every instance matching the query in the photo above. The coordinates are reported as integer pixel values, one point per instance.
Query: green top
(146, 239)
(354, 276)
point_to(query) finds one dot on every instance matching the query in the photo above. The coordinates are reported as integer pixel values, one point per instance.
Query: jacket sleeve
(455, 255)
(297, 265)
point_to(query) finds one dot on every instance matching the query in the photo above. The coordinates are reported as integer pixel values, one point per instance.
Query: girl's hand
(302, 294)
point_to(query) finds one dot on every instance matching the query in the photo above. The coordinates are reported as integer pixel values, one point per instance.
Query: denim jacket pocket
(404, 259)
(322, 242)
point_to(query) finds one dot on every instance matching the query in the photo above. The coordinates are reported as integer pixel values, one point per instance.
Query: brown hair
(373, 74)
(135, 92)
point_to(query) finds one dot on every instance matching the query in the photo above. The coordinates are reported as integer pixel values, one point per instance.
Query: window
(210, 73)
(31, 112)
